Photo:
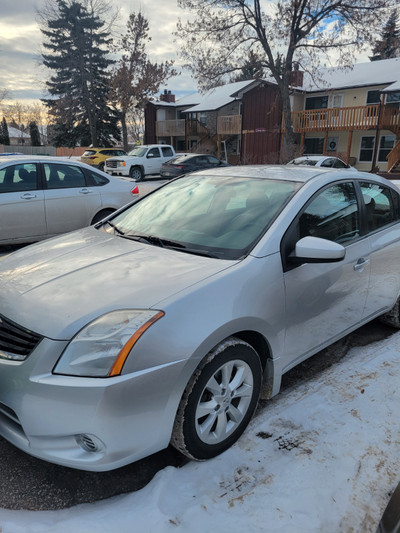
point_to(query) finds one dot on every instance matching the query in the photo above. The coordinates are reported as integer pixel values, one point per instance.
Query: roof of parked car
(285, 172)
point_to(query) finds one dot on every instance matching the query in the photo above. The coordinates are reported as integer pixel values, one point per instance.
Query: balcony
(229, 125)
(170, 128)
(346, 119)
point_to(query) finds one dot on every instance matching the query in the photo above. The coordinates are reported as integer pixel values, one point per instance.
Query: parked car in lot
(321, 161)
(185, 163)
(167, 321)
(96, 157)
(141, 161)
(43, 197)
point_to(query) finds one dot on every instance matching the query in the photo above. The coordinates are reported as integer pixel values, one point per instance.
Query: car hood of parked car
(56, 287)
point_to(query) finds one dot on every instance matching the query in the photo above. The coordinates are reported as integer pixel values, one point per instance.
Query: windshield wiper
(171, 245)
(115, 227)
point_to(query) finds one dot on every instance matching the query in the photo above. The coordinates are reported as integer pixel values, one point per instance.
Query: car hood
(56, 287)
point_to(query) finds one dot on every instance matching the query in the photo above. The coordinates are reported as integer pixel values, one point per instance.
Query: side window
(60, 176)
(15, 178)
(379, 205)
(213, 160)
(95, 180)
(333, 214)
(339, 164)
(153, 152)
(167, 151)
(328, 163)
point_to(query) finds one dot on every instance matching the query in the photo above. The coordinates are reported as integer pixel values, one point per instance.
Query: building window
(393, 99)
(386, 144)
(203, 118)
(313, 145)
(317, 102)
(367, 148)
(373, 97)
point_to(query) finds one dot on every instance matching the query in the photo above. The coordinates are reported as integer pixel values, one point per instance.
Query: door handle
(85, 191)
(361, 264)
(28, 196)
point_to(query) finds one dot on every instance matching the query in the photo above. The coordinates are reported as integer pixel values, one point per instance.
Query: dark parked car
(185, 163)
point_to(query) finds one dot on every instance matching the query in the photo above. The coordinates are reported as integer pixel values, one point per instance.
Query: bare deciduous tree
(283, 34)
(135, 78)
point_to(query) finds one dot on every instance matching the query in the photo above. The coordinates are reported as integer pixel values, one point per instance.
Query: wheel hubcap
(224, 402)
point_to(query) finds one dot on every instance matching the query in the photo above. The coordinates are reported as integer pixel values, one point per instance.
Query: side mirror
(316, 250)
(149, 156)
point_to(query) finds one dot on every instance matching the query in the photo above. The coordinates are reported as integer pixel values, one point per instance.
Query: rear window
(89, 152)
(181, 159)
(95, 179)
(167, 151)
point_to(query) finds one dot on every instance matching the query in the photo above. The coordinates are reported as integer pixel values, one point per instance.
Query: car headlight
(100, 349)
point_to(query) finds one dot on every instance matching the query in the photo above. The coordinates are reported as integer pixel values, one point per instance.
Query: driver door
(324, 300)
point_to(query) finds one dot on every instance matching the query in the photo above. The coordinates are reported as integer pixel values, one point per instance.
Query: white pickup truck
(140, 161)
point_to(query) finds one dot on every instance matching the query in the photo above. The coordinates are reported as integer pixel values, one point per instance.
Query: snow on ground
(321, 457)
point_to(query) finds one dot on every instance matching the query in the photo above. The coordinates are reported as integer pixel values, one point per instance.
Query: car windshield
(219, 216)
(138, 151)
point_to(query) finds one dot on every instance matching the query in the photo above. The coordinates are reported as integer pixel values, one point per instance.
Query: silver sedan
(168, 321)
(42, 196)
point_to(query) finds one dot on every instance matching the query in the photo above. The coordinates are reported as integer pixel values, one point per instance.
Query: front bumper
(123, 171)
(93, 424)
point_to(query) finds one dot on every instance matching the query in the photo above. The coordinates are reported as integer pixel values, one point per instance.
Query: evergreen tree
(252, 69)
(79, 85)
(389, 44)
(5, 137)
(34, 133)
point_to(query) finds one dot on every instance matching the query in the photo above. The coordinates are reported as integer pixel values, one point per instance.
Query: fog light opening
(89, 443)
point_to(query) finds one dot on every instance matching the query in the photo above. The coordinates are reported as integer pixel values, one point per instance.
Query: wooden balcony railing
(229, 125)
(346, 119)
(394, 157)
(195, 127)
(170, 128)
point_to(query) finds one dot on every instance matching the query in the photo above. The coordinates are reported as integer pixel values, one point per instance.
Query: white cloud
(20, 42)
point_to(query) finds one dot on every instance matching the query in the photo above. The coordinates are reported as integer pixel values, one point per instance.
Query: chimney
(296, 76)
(167, 96)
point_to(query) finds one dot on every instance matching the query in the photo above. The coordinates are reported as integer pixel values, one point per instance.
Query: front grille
(111, 164)
(16, 342)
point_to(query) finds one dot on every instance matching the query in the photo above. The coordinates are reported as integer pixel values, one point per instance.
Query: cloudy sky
(20, 44)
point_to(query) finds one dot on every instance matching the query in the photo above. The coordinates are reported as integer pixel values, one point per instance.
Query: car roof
(37, 159)
(105, 148)
(316, 157)
(289, 173)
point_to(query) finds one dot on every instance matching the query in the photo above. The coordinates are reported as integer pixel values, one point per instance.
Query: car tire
(101, 167)
(219, 400)
(101, 214)
(136, 173)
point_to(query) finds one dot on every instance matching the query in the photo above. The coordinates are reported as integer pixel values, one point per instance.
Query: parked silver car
(167, 322)
(44, 196)
(324, 161)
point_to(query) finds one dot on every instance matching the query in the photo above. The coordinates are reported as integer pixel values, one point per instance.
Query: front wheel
(218, 401)
(136, 173)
